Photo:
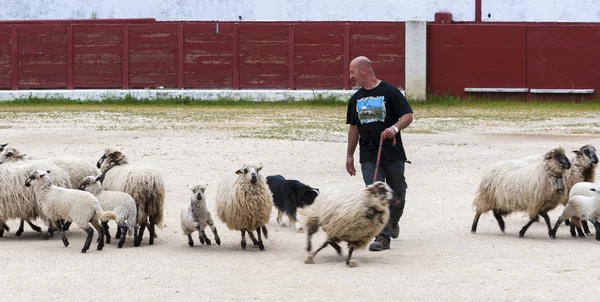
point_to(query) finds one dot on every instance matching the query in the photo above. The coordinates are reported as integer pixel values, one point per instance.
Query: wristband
(395, 128)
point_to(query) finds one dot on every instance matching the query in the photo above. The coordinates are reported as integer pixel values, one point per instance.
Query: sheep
(353, 217)
(80, 207)
(121, 203)
(76, 168)
(143, 183)
(17, 202)
(244, 203)
(535, 187)
(581, 207)
(195, 216)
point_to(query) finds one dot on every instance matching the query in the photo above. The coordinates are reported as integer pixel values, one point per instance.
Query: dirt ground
(436, 257)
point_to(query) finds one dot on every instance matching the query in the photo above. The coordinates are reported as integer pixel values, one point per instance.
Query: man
(378, 109)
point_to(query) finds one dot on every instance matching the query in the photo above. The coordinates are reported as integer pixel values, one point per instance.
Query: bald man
(378, 109)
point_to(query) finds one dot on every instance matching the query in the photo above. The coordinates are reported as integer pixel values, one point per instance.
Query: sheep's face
(89, 181)
(36, 176)
(379, 195)
(250, 172)
(559, 160)
(588, 152)
(198, 191)
(11, 155)
(110, 156)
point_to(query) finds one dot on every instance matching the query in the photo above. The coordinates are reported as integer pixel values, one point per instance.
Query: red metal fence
(46, 54)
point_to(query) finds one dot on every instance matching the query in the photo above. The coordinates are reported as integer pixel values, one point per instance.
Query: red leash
(378, 158)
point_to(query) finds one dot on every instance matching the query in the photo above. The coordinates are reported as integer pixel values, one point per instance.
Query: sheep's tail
(107, 215)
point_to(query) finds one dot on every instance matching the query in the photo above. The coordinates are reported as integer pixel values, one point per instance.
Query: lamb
(581, 207)
(143, 183)
(535, 187)
(195, 216)
(121, 203)
(80, 207)
(17, 202)
(353, 217)
(244, 203)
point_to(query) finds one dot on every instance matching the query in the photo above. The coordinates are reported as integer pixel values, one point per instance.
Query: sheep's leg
(88, 239)
(567, 222)
(200, 235)
(106, 232)
(100, 230)
(33, 226)
(349, 261)
(586, 229)
(597, 228)
(572, 230)
(21, 228)
(261, 246)
(525, 227)
(3, 227)
(576, 224)
(500, 220)
(203, 234)
(123, 235)
(548, 224)
(140, 234)
(553, 232)
(251, 235)
(243, 239)
(50, 231)
(135, 236)
(310, 230)
(336, 246)
(66, 225)
(190, 240)
(151, 231)
(313, 254)
(265, 232)
(475, 222)
(213, 228)
(117, 235)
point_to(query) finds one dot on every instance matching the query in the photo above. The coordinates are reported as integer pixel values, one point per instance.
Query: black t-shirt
(373, 111)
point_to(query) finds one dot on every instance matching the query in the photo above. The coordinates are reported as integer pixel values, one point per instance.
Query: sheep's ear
(189, 187)
(577, 152)
(259, 168)
(100, 178)
(238, 172)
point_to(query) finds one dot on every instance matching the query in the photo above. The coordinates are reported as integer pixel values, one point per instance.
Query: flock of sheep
(65, 190)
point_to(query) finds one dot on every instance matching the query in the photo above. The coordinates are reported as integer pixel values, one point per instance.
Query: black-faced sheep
(195, 217)
(526, 185)
(288, 196)
(579, 208)
(244, 203)
(353, 217)
(120, 203)
(19, 202)
(143, 183)
(80, 207)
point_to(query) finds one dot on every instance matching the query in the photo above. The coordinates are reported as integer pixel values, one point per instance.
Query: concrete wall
(231, 10)
(541, 10)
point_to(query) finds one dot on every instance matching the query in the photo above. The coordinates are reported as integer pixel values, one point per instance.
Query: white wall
(229, 10)
(541, 10)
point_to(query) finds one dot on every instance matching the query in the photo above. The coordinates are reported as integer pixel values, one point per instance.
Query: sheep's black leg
(190, 240)
(140, 234)
(251, 235)
(553, 232)
(50, 231)
(548, 224)
(261, 246)
(336, 246)
(100, 234)
(59, 227)
(135, 236)
(525, 227)
(124, 229)
(21, 228)
(498, 216)
(311, 228)
(200, 236)
(151, 233)
(265, 232)
(475, 221)
(567, 222)
(117, 235)
(33, 226)
(586, 229)
(106, 232)
(572, 230)
(206, 238)
(66, 225)
(580, 232)
(4, 227)
(243, 239)
(319, 249)
(350, 251)
(213, 228)
(597, 228)
(88, 240)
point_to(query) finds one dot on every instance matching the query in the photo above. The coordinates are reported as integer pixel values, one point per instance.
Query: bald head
(361, 62)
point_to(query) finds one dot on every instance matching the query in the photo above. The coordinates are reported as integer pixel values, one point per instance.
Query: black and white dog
(289, 195)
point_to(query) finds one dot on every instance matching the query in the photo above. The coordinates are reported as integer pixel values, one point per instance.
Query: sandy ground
(436, 257)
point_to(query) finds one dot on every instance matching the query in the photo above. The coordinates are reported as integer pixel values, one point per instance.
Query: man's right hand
(350, 165)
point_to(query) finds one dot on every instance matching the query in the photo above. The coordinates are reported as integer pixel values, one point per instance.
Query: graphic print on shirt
(371, 109)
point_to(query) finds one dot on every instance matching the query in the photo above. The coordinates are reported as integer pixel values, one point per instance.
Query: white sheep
(19, 202)
(143, 183)
(581, 207)
(353, 217)
(535, 187)
(244, 203)
(121, 203)
(80, 207)
(195, 217)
